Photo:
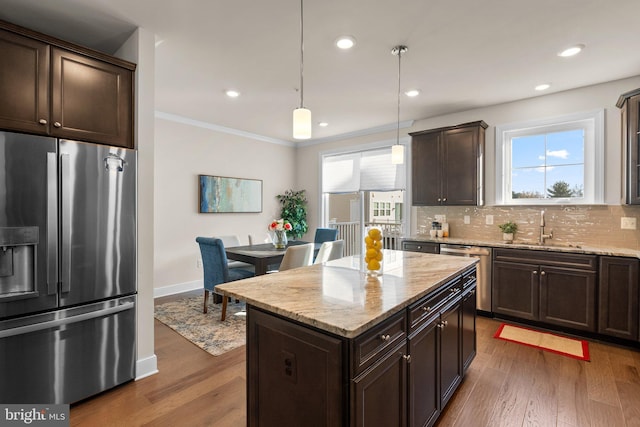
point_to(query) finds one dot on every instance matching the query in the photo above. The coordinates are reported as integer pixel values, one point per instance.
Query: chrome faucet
(543, 236)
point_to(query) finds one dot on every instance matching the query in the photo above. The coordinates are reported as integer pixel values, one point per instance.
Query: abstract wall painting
(221, 194)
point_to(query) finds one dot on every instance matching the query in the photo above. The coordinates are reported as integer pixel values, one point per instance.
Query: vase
(507, 237)
(279, 239)
(372, 250)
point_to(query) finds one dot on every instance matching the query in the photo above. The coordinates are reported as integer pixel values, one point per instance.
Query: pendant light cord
(398, 129)
(301, 55)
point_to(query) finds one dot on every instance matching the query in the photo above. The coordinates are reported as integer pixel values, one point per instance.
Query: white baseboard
(146, 367)
(177, 288)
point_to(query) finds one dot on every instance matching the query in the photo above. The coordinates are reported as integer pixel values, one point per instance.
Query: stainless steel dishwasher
(483, 270)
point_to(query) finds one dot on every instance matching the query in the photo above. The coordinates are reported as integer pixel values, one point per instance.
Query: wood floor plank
(601, 384)
(573, 401)
(483, 397)
(629, 394)
(604, 415)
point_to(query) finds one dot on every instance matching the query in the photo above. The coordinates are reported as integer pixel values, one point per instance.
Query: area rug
(205, 330)
(578, 349)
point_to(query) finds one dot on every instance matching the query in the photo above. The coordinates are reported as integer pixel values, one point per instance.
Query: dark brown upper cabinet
(51, 87)
(629, 103)
(447, 165)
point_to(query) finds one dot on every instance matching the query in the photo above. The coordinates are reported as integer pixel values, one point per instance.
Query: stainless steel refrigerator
(67, 268)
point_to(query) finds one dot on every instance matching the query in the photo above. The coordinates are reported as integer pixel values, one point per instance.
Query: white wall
(182, 152)
(140, 49)
(584, 99)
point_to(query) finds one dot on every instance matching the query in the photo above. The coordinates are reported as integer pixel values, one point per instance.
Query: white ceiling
(462, 53)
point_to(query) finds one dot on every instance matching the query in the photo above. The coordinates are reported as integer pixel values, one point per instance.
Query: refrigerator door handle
(65, 260)
(20, 330)
(52, 223)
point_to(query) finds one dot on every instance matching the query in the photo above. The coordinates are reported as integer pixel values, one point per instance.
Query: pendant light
(397, 150)
(301, 115)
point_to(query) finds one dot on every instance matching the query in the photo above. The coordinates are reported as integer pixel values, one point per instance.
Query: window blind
(363, 171)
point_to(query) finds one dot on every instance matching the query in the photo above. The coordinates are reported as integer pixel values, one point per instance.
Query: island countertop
(337, 297)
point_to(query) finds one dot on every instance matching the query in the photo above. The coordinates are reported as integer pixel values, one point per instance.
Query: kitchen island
(329, 346)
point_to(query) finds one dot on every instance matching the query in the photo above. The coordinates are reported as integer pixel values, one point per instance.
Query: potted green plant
(508, 230)
(294, 210)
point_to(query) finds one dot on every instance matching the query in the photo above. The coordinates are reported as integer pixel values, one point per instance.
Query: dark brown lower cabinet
(468, 329)
(380, 393)
(618, 297)
(424, 395)
(450, 340)
(558, 289)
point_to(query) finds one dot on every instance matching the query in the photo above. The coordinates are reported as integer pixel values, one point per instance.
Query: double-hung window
(551, 161)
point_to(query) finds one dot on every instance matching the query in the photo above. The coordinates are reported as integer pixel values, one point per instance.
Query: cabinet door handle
(57, 124)
(427, 309)
(444, 200)
(407, 357)
(384, 337)
(542, 273)
(42, 121)
(473, 292)
(439, 199)
(535, 271)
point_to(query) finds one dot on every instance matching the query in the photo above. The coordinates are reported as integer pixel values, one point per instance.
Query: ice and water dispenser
(18, 271)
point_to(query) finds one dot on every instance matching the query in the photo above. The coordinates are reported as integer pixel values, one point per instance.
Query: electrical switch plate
(467, 219)
(489, 219)
(628, 223)
(198, 262)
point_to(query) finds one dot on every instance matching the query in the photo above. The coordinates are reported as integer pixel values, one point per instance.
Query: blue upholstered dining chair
(325, 235)
(216, 269)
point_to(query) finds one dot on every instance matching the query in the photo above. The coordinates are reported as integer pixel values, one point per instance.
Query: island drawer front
(368, 347)
(421, 311)
(469, 278)
(588, 262)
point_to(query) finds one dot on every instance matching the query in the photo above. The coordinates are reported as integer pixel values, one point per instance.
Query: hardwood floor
(507, 385)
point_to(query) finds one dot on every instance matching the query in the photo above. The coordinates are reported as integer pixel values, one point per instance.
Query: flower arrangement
(280, 225)
(279, 228)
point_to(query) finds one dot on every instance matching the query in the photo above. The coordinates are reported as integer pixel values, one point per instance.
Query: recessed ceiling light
(543, 86)
(412, 92)
(323, 124)
(573, 50)
(345, 42)
(232, 93)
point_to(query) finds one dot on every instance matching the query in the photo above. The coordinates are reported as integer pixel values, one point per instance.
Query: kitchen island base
(399, 372)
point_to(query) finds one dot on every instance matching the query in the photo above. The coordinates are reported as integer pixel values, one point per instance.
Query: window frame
(593, 186)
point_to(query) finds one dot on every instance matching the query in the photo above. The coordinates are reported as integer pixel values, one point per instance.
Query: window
(551, 161)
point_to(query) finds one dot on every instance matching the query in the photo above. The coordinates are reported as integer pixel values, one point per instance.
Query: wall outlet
(198, 262)
(467, 219)
(489, 220)
(439, 218)
(628, 223)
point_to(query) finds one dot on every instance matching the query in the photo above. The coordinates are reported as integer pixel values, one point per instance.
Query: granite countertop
(338, 298)
(550, 246)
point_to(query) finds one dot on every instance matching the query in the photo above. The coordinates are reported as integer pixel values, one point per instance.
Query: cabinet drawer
(427, 247)
(558, 259)
(368, 347)
(421, 311)
(469, 278)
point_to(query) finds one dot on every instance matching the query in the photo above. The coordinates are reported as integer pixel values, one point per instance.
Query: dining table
(263, 255)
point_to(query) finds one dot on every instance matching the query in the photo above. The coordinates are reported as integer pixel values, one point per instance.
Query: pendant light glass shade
(397, 154)
(301, 123)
